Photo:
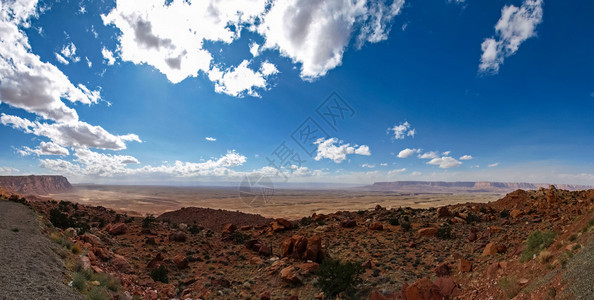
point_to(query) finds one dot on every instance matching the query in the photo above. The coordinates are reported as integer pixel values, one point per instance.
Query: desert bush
(544, 257)
(148, 221)
(98, 293)
(472, 219)
(509, 286)
(59, 219)
(108, 281)
(394, 221)
(79, 281)
(194, 229)
(535, 243)
(75, 249)
(238, 237)
(504, 213)
(160, 274)
(445, 232)
(335, 277)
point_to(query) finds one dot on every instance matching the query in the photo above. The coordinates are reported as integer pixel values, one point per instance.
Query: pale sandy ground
(292, 204)
(29, 268)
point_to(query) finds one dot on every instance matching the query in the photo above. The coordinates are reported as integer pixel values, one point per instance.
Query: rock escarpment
(35, 185)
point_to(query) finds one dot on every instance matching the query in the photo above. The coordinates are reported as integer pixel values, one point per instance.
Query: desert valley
(533, 244)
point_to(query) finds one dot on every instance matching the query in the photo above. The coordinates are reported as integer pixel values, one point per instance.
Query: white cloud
(72, 134)
(69, 51)
(445, 162)
(408, 152)
(316, 33)
(396, 171)
(465, 157)
(108, 55)
(516, 25)
(45, 148)
(368, 166)
(61, 59)
(25, 81)
(446, 153)
(8, 171)
(89, 63)
(416, 173)
(429, 155)
(255, 49)
(241, 80)
(402, 130)
(328, 149)
(210, 139)
(384, 164)
(493, 165)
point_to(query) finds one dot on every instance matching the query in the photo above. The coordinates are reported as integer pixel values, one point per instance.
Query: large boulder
(490, 249)
(179, 236)
(313, 251)
(181, 261)
(376, 226)
(290, 275)
(121, 264)
(229, 228)
(117, 229)
(448, 288)
(429, 231)
(423, 289)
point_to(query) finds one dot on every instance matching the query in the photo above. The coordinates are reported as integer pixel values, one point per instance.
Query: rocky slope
(462, 186)
(518, 246)
(35, 185)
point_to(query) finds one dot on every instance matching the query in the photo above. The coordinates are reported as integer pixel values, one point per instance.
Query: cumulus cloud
(316, 33)
(170, 36)
(25, 81)
(402, 130)
(8, 170)
(210, 139)
(72, 134)
(45, 148)
(69, 52)
(108, 56)
(396, 171)
(242, 80)
(428, 155)
(516, 25)
(327, 148)
(408, 152)
(465, 157)
(445, 162)
(493, 165)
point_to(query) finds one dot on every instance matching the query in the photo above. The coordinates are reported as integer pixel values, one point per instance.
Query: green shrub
(406, 226)
(504, 213)
(535, 243)
(107, 281)
(60, 219)
(148, 221)
(472, 218)
(98, 293)
(194, 229)
(394, 221)
(335, 277)
(79, 281)
(160, 274)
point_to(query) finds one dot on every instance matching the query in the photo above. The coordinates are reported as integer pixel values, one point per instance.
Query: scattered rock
(229, 228)
(515, 213)
(448, 288)
(121, 264)
(490, 249)
(423, 289)
(313, 251)
(290, 275)
(429, 231)
(348, 223)
(443, 212)
(464, 265)
(442, 270)
(117, 229)
(181, 261)
(178, 237)
(376, 226)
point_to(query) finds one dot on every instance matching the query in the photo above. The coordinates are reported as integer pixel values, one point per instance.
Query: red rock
(251, 245)
(264, 251)
(412, 244)
(91, 239)
(85, 262)
(492, 270)
(256, 261)
(314, 249)
(490, 249)
(319, 217)
(308, 268)
(464, 265)
(429, 231)
(290, 275)
(287, 247)
(495, 229)
(472, 237)
(448, 287)
(121, 264)
(379, 207)
(442, 270)
(276, 226)
(376, 226)
(246, 227)
(178, 237)
(367, 264)
(117, 229)
(101, 253)
(516, 213)
(181, 261)
(348, 223)
(151, 241)
(155, 262)
(377, 296)
(443, 212)
(91, 256)
(265, 296)
(294, 297)
(221, 282)
(299, 246)
(423, 289)
(501, 248)
(229, 228)
(285, 223)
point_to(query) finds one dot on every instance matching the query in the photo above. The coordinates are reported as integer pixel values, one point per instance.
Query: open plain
(286, 203)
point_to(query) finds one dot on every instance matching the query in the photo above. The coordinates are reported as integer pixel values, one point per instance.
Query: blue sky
(122, 92)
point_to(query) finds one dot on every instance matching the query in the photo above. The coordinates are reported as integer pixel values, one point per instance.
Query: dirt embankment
(30, 268)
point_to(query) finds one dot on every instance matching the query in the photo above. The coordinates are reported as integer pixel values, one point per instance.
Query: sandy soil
(29, 267)
(141, 200)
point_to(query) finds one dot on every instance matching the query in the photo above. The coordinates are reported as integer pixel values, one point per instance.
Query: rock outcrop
(35, 185)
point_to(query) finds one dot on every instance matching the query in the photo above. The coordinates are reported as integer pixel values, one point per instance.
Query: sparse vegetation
(97, 293)
(149, 221)
(160, 274)
(535, 243)
(195, 229)
(335, 277)
(394, 221)
(14, 229)
(504, 213)
(445, 232)
(509, 286)
(544, 257)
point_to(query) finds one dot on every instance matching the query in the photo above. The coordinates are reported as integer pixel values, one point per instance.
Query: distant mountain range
(463, 186)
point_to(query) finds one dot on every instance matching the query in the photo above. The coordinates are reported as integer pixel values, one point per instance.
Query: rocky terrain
(463, 186)
(520, 247)
(35, 184)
